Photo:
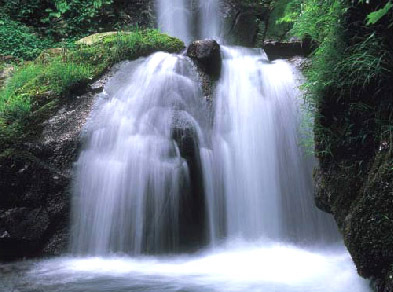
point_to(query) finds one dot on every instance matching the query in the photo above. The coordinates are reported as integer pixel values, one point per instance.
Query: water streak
(263, 174)
(189, 19)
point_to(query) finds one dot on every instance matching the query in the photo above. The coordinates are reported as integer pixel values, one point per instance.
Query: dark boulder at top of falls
(207, 54)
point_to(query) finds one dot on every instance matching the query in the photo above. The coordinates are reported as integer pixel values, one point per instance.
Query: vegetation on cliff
(36, 87)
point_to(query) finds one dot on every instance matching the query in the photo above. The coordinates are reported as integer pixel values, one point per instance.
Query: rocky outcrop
(286, 50)
(35, 184)
(207, 54)
(362, 205)
(354, 146)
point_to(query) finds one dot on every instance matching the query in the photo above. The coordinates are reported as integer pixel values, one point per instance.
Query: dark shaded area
(286, 50)
(192, 205)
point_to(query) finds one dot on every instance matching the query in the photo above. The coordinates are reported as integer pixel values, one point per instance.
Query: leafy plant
(19, 41)
(375, 16)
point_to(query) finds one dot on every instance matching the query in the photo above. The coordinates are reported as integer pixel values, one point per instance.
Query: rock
(362, 205)
(35, 183)
(285, 50)
(241, 21)
(98, 37)
(191, 206)
(368, 227)
(207, 54)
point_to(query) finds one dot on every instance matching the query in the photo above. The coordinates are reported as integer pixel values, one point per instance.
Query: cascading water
(174, 18)
(189, 19)
(131, 181)
(262, 173)
(155, 175)
(209, 25)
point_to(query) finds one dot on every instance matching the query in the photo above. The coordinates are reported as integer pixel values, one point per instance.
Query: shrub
(19, 41)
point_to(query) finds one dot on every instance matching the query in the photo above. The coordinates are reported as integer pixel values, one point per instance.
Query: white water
(236, 268)
(262, 173)
(130, 178)
(174, 18)
(189, 19)
(209, 24)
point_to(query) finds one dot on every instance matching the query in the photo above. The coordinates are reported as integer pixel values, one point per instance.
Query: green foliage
(348, 80)
(375, 16)
(317, 19)
(19, 41)
(281, 19)
(61, 18)
(51, 78)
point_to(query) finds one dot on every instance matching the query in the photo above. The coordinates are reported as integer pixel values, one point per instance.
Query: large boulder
(207, 54)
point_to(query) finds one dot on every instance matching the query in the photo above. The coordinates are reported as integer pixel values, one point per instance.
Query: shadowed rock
(207, 55)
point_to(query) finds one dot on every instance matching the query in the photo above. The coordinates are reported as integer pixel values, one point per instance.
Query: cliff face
(35, 184)
(354, 144)
(362, 205)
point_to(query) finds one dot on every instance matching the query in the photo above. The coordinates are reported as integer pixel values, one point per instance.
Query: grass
(49, 79)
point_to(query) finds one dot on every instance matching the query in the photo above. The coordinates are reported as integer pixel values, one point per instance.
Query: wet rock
(368, 227)
(192, 206)
(207, 54)
(35, 182)
(362, 205)
(242, 28)
(285, 50)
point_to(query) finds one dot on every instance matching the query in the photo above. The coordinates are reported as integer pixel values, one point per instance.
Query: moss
(57, 74)
(369, 228)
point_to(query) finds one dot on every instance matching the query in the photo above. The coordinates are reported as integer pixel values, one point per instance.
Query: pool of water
(251, 268)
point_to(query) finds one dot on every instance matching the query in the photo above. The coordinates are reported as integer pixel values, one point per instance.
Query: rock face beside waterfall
(361, 203)
(35, 184)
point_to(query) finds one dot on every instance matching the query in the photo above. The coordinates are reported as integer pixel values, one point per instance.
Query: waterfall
(189, 19)
(263, 175)
(174, 18)
(133, 179)
(209, 24)
(158, 174)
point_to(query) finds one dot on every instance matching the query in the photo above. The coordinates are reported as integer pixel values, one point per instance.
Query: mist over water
(234, 268)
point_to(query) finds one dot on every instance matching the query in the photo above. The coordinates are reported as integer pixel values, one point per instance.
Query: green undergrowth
(36, 88)
(348, 82)
(20, 41)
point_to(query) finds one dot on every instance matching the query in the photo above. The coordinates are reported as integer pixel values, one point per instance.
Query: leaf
(375, 16)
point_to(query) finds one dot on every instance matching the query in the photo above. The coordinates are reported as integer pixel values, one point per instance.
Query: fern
(375, 16)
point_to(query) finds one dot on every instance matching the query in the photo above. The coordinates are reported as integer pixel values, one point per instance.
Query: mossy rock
(59, 74)
(99, 37)
(368, 228)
